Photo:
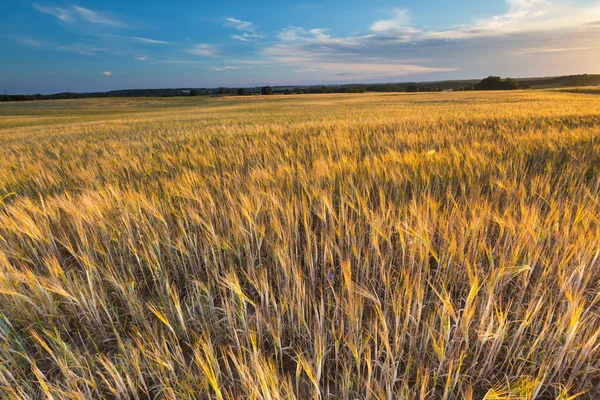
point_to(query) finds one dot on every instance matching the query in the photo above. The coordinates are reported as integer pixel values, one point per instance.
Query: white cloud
(226, 68)
(246, 37)
(248, 30)
(96, 16)
(107, 73)
(240, 37)
(142, 58)
(239, 25)
(399, 22)
(204, 50)
(149, 41)
(75, 14)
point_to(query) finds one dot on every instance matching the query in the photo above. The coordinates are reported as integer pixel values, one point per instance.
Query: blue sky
(53, 46)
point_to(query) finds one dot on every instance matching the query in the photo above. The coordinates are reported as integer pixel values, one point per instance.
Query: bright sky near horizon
(52, 46)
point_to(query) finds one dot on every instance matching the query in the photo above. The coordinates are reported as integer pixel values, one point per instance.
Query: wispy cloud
(58, 12)
(142, 58)
(246, 37)
(96, 17)
(227, 68)
(82, 48)
(107, 73)
(180, 62)
(149, 41)
(239, 24)
(204, 50)
(75, 14)
(86, 49)
(30, 42)
(560, 50)
(247, 29)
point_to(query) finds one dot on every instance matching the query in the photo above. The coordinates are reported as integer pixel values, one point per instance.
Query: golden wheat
(327, 246)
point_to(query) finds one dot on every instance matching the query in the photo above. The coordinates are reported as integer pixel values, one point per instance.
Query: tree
(489, 83)
(412, 88)
(221, 90)
(267, 90)
(241, 92)
(496, 83)
(195, 92)
(510, 84)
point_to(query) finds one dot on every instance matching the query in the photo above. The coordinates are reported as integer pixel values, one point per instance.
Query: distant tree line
(421, 88)
(489, 83)
(562, 81)
(268, 90)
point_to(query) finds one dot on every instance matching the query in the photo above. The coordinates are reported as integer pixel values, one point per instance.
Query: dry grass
(328, 246)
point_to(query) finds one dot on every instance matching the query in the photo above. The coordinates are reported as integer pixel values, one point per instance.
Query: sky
(52, 46)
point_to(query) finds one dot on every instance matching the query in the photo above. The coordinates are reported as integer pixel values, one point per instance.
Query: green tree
(195, 92)
(496, 83)
(241, 92)
(267, 90)
(510, 84)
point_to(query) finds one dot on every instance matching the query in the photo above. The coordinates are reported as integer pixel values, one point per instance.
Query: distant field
(371, 246)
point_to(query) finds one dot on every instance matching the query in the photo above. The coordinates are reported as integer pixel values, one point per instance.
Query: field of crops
(373, 246)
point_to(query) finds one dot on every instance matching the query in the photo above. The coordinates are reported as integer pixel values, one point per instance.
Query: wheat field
(372, 246)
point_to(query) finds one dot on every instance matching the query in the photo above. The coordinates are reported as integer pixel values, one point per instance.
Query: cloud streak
(203, 50)
(149, 41)
(77, 14)
(247, 30)
(86, 49)
(227, 68)
(563, 50)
